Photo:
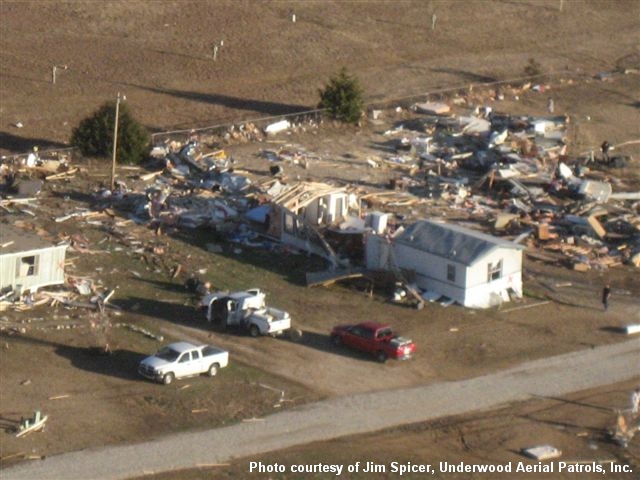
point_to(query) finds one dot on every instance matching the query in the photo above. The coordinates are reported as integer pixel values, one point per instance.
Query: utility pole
(115, 142)
(53, 72)
(216, 47)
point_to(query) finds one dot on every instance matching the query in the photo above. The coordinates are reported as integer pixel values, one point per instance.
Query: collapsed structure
(28, 262)
(504, 184)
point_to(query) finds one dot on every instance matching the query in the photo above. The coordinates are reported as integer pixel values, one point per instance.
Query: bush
(342, 97)
(94, 135)
(533, 68)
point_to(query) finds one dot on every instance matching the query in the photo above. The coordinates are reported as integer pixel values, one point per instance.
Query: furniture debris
(542, 452)
(625, 429)
(632, 329)
(33, 424)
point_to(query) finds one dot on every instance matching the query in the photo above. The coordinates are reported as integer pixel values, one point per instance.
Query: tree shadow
(28, 79)
(75, 195)
(261, 253)
(166, 286)
(612, 329)
(183, 55)
(171, 312)
(237, 103)
(531, 4)
(120, 363)
(19, 144)
(466, 76)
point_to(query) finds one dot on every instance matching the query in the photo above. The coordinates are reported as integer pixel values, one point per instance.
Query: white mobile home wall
(50, 269)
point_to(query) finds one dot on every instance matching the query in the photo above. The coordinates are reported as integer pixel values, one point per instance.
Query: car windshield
(167, 354)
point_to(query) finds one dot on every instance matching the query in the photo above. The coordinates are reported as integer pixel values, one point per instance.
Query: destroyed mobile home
(28, 262)
(504, 177)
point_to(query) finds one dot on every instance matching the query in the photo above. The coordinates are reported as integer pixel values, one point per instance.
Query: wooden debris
(59, 397)
(199, 410)
(522, 307)
(149, 176)
(597, 226)
(176, 271)
(13, 455)
(62, 175)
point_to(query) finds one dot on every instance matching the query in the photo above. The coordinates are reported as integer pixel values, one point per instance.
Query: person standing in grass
(606, 295)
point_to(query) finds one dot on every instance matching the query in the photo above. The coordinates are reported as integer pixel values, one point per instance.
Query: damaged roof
(15, 240)
(454, 242)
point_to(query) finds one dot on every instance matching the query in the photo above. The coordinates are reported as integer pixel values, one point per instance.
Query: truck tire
(336, 340)
(381, 356)
(168, 378)
(254, 331)
(213, 370)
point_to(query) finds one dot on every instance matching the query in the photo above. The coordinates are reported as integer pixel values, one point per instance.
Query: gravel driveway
(346, 416)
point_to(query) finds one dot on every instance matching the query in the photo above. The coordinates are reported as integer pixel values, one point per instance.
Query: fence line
(43, 154)
(313, 115)
(221, 129)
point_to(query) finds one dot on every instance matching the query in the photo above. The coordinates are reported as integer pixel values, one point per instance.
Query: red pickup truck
(374, 338)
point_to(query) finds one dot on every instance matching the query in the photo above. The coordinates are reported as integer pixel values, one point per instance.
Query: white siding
(431, 272)
(50, 269)
(471, 287)
(480, 293)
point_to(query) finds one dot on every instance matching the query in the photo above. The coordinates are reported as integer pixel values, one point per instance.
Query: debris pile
(459, 159)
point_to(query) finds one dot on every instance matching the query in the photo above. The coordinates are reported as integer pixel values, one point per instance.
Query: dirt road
(347, 415)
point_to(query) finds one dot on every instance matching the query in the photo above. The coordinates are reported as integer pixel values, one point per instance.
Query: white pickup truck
(247, 310)
(183, 359)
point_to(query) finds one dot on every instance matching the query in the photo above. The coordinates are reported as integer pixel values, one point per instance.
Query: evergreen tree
(342, 97)
(94, 135)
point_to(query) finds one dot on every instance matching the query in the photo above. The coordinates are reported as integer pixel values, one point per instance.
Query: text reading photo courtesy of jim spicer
(413, 469)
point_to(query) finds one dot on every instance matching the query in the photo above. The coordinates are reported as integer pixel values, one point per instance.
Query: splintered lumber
(13, 455)
(522, 307)
(59, 397)
(149, 176)
(597, 226)
(61, 175)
